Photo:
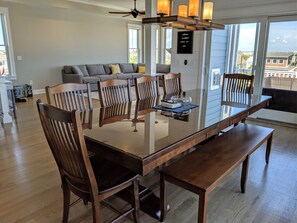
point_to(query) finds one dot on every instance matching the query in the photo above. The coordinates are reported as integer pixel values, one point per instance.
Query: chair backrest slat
(146, 87)
(240, 83)
(236, 88)
(114, 91)
(70, 96)
(172, 83)
(114, 113)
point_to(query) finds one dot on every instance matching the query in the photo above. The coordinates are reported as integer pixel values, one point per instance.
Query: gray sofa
(92, 73)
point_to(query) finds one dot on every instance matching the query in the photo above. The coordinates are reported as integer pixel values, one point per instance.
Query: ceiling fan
(134, 12)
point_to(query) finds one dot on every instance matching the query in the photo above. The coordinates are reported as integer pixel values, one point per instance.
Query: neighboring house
(280, 59)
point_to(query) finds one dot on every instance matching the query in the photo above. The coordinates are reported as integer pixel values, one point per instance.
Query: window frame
(8, 43)
(139, 42)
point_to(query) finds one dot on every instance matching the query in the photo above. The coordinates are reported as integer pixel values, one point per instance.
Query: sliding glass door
(266, 48)
(280, 74)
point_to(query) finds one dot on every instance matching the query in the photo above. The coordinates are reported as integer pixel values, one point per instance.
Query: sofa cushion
(91, 79)
(107, 68)
(135, 67)
(76, 69)
(106, 77)
(163, 68)
(124, 76)
(141, 69)
(95, 69)
(137, 75)
(83, 69)
(68, 69)
(115, 68)
(126, 68)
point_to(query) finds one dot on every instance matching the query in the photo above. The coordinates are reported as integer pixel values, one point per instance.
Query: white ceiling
(122, 5)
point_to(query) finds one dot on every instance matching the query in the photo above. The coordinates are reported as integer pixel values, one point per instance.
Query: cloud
(279, 39)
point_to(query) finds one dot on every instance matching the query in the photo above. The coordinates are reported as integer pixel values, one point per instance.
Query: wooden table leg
(202, 210)
(268, 148)
(244, 174)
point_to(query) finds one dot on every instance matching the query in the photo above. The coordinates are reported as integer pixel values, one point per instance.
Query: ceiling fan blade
(142, 12)
(125, 15)
(119, 12)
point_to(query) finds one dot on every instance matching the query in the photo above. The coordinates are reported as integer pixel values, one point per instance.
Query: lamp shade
(163, 7)
(207, 10)
(194, 8)
(183, 10)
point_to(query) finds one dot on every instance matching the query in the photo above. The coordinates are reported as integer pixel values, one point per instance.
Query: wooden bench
(202, 170)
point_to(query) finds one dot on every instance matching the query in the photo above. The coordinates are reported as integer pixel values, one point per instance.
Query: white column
(149, 131)
(4, 112)
(150, 39)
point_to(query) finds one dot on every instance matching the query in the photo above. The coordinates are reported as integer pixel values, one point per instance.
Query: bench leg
(244, 174)
(202, 211)
(163, 197)
(268, 149)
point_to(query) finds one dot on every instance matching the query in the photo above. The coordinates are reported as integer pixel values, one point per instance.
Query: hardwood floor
(30, 188)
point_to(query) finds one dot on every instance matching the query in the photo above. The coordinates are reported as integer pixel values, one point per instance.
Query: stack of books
(168, 103)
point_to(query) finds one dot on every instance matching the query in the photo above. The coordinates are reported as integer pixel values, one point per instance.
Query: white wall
(48, 38)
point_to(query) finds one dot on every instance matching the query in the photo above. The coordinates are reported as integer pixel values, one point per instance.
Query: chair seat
(110, 174)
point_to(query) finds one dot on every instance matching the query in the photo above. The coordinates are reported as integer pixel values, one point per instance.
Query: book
(168, 104)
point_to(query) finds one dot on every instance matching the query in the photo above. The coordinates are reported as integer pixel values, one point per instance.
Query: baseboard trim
(39, 91)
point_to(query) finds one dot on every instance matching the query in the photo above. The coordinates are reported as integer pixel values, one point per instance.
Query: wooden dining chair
(239, 83)
(72, 96)
(237, 89)
(172, 84)
(114, 91)
(146, 87)
(91, 178)
(115, 113)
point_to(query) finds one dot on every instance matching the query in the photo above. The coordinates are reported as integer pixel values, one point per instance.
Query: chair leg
(163, 197)
(66, 198)
(96, 210)
(135, 202)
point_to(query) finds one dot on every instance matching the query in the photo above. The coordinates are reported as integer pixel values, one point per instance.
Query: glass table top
(139, 130)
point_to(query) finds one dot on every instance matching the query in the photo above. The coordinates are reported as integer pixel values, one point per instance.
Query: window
(268, 60)
(274, 61)
(281, 61)
(168, 45)
(134, 43)
(246, 48)
(7, 67)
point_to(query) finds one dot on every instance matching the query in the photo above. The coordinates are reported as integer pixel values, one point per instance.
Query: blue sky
(282, 37)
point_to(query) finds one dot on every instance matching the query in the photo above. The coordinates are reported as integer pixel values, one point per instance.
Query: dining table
(141, 136)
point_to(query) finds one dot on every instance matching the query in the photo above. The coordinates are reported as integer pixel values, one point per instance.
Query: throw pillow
(141, 69)
(115, 69)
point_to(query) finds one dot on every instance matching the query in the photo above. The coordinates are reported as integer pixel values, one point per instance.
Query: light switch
(19, 58)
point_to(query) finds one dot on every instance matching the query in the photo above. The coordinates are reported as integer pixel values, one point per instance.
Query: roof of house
(279, 54)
